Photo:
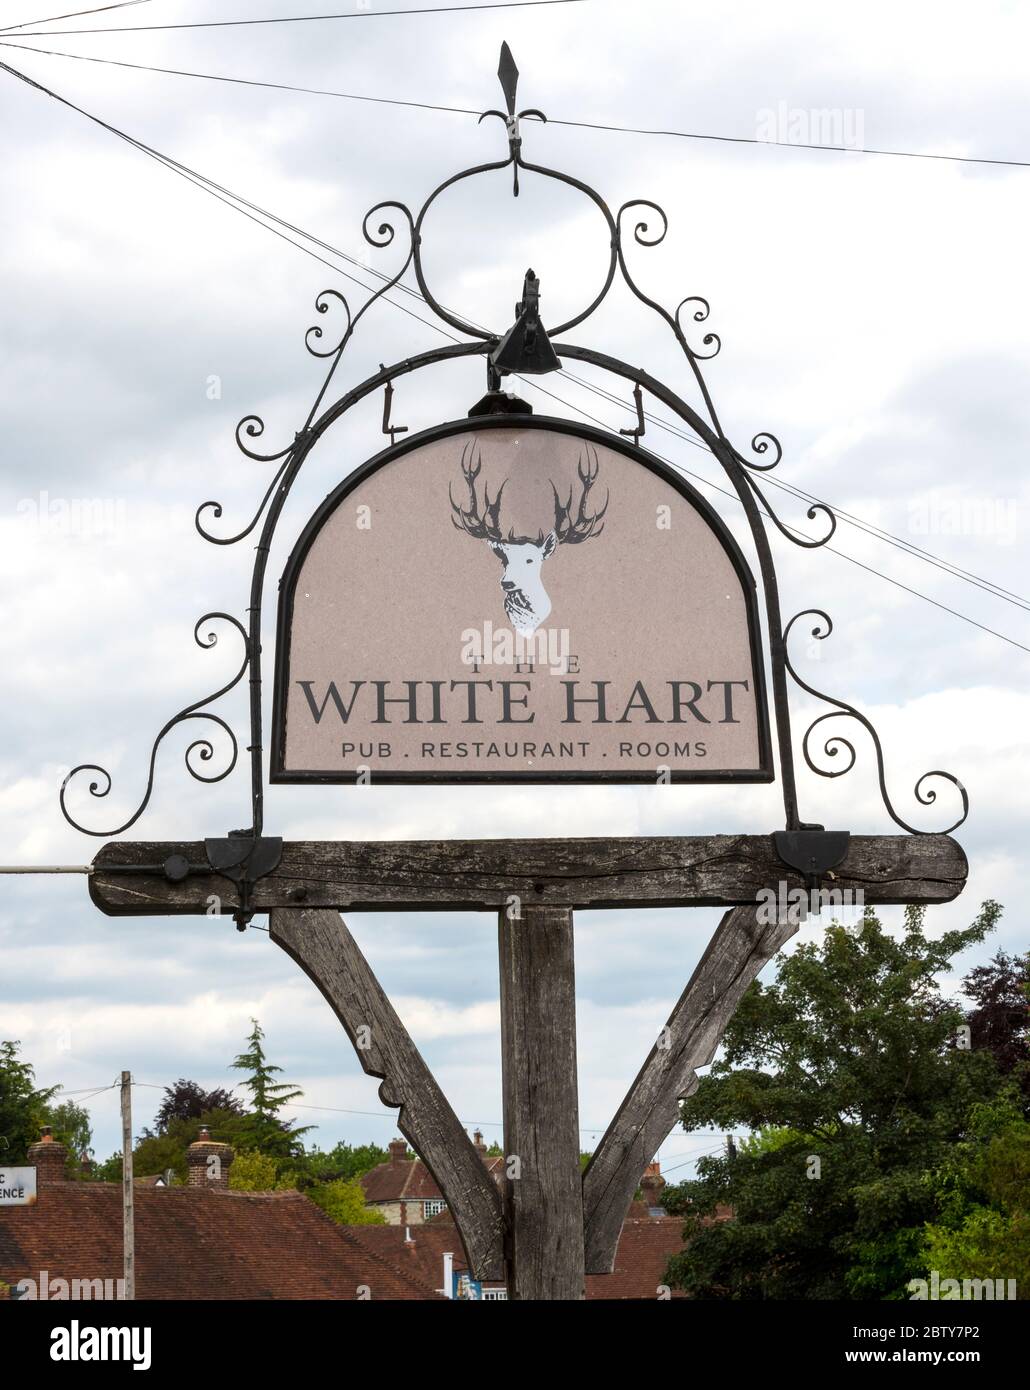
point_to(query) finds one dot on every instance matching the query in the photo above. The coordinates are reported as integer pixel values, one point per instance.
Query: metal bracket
(526, 348)
(500, 403)
(812, 851)
(640, 427)
(388, 427)
(243, 858)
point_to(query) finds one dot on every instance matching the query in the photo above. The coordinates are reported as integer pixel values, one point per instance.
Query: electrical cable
(75, 14)
(224, 195)
(309, 18)
(908, 547)
(606, 128)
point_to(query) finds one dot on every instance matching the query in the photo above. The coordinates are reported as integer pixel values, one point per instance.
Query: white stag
(526, 601)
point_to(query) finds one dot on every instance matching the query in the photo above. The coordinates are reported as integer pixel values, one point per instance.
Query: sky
(873, 314)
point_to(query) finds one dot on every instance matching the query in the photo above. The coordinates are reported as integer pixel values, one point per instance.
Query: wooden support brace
(325, 950)
(739, 948)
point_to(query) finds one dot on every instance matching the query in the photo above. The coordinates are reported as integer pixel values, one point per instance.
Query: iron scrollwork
(689, 324)
(836, 743)
(201, 748)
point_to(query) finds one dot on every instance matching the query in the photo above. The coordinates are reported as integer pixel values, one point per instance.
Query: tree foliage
(186, 1100)
(344, 1201)
(71, 1126)
(847, 1068)
(344, 1161)
(1000, 1019)
(263, 1126)
(257, 1172)
(22, 1105)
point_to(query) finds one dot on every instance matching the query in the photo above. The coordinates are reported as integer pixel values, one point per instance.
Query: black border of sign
(279, 776)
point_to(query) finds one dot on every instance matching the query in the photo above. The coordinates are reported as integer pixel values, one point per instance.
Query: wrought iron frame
(764, 454)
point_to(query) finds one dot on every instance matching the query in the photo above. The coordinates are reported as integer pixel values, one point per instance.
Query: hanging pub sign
(527, 601)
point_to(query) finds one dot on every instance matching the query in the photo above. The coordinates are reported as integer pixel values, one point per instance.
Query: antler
(571, 532)
(485, 527)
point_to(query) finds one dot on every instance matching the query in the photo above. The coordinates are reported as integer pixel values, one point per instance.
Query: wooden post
(128, 1214)
(543, 1187)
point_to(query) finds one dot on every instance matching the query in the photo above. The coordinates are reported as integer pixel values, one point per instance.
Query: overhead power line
(309, 18)
(241, 81)
(470, 111)
(906, 546)
(75, 14)
(226, 196)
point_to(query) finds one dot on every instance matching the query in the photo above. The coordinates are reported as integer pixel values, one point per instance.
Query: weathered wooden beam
(664, 871)
(543, 1187)
(325, 950)
(741, 945)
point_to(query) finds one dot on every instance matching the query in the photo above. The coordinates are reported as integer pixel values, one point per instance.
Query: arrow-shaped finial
(509, 75)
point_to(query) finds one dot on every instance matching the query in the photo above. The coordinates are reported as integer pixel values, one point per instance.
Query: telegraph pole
(128, 1215)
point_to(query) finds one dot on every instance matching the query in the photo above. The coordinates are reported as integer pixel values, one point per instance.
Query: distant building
(204, 1241)
(434, 1254)
(404, 1191)
(201, 1241)
(421, 1234)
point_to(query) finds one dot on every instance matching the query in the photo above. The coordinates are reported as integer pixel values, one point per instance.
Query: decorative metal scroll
(648, 225)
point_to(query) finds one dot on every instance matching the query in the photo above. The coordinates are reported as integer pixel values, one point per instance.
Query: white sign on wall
(17, 1187)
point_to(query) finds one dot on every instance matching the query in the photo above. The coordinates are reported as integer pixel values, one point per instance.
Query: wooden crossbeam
(380, 875)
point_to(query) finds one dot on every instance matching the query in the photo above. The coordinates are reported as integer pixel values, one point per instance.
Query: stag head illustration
(526, 601)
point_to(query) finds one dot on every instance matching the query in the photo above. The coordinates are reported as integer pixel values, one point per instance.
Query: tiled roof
(199, 1243)
(408, 1180)
(645, 1247)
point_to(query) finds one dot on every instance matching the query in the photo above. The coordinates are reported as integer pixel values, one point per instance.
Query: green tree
(982, 1230)
(342, 1161)
(22, 1106)
(344, 1201)
(1000, 1018)
(71, 1126)
(264, 1127)
(187, 1100)
(257, 1172)
(847, 1068)
(155, 1154)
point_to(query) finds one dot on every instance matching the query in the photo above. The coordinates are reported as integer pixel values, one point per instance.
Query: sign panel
(17, 1187)
(518, 599)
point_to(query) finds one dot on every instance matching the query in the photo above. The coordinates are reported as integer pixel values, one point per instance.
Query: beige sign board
(518, 599)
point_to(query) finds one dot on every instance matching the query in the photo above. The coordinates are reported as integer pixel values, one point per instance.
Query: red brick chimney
(49, 1158)
(651, 1185)
(209, 1162)
(480, 1146)
(398, 1150)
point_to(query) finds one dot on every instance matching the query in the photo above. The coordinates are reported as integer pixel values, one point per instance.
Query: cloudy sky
(873, 314)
